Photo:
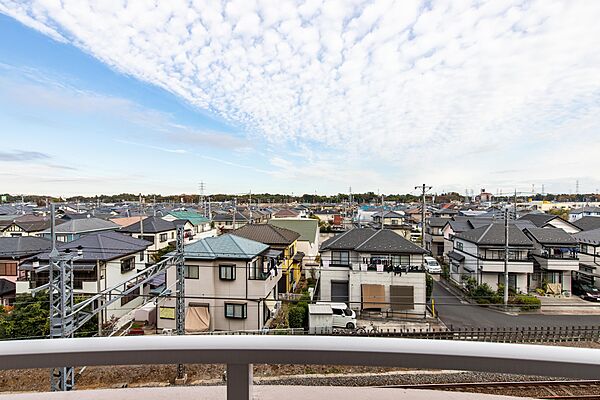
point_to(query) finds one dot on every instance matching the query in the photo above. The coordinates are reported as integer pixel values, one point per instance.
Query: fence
(496, 335)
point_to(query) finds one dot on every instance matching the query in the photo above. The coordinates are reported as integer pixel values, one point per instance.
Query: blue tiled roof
(224, 246)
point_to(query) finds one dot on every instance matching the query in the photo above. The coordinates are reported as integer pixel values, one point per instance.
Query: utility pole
(515, 207)
(506, 248)
(180, 294)
(141, 219)
(424, 189)
(250, 205)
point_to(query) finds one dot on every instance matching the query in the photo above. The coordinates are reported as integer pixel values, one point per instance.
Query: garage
(339, 292)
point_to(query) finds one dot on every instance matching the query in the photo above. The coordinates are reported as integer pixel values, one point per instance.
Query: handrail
(239, 352)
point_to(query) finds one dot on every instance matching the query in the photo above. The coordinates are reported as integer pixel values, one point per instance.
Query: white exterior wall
(210, 290)
(355, 277)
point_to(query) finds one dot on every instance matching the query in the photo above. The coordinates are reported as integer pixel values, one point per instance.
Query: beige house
(230, 285)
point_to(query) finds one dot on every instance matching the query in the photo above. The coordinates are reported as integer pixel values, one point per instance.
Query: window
(163, 237)
(172, 235)
(141, 256)
(237, 311)
(131, 296)
(340, 257)
(227, 272)
(8, 268)
(583, 247)
(127, 264)
(192, 272)
(459, 245)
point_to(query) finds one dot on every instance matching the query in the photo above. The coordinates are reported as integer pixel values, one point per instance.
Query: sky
(299, 96)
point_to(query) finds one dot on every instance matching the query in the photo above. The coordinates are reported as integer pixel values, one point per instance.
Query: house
(393, 220)
(479, 253)
(484, 197)
(549, 221)
(589, 256)
(373, 269)
(76, 228)
(13, 250)
(157, 231)
(107, 258)
(587, 223)
(230, 285)
(286, 213)
(279, 239)
(225, 221)
(585, 211)
(554, 258)
(434, 237)
(199, 225)
(307, 243)
(27, 225)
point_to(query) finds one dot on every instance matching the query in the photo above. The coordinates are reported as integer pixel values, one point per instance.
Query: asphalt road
(452, 311)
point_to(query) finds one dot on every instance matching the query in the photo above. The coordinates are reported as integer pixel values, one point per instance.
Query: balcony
(240, 352)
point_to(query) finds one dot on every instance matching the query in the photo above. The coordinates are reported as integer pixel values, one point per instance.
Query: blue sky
(102, 97)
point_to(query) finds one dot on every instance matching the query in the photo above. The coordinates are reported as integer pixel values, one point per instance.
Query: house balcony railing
(240, 352)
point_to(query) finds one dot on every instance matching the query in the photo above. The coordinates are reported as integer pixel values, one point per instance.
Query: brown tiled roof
(267, 234)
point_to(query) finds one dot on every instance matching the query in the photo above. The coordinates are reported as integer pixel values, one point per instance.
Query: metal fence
(495, 335)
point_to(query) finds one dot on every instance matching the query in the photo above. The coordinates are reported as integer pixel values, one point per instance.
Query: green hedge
(526, 302)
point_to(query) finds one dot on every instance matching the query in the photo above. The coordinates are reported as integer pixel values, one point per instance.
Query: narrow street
(453, 311)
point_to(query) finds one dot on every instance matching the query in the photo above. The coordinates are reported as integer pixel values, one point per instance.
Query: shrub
(296, 316)
(526, 302)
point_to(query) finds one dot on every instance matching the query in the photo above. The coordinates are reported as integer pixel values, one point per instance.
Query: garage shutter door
(373, 297)
(402, 297)
(339, 292)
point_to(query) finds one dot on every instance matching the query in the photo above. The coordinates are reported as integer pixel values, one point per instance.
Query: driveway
(453, 311)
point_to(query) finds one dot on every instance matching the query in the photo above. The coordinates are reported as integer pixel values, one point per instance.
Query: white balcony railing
(240, 352)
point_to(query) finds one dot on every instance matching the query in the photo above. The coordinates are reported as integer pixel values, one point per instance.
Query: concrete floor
(260, 392)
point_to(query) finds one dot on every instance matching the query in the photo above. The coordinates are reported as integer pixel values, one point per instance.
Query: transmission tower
(60, 293)
(180, 293)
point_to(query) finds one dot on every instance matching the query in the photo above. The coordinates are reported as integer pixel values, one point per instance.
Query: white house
(373, 270)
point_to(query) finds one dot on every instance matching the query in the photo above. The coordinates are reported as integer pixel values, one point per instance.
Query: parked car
(343, 316)
(585, 291)
(431, 265)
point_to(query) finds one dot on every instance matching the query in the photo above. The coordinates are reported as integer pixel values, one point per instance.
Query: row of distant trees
(368, 197)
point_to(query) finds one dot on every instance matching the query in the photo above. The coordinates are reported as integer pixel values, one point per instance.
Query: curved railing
(240, 352)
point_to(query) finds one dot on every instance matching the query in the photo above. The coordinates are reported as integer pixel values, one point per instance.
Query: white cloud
(393, 81)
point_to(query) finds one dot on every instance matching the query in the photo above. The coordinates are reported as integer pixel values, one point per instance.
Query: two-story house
(587, 223)
(107, 259)
(199, 225)
(226, 222)
(373, 269)
(281, 239)
(434, 237)
(230, 285)
(307, 243)
(157, 231)
(13, 251)
(585, 211)
(76, 228)
(555, 257)
(479, 253)
(589, 255)
(542, 220)
(26, 225)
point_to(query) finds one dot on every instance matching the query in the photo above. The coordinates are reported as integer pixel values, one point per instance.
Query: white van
(343, 316)
(431, 265)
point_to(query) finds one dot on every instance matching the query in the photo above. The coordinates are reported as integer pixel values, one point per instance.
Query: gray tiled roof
(551, 236)
(267, 234)
(437, 222)
(538, 220)
(224, 246)
(588, 223)
(103, 246)
(308, 228)
(23, 246)
(84, 225)
(493, 235)
(371, 240)
(589, 237)
(150, 225)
